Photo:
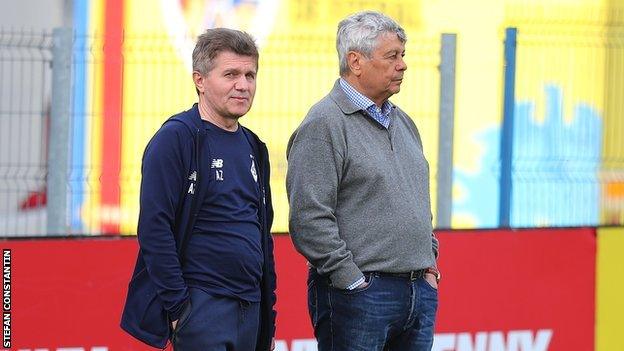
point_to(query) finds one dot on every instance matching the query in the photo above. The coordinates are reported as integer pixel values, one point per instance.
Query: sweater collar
(342, 100)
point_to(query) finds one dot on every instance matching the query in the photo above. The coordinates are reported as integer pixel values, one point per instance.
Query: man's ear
(198, 79)
(354, 60)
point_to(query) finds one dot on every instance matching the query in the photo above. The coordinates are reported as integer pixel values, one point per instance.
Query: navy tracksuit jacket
(173, 175)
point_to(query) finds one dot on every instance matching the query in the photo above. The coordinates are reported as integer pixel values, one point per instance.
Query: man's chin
(393, 90)
(238, 111)
(237, 114)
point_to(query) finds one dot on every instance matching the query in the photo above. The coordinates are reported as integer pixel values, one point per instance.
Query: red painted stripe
(185, 5)
(112, 109)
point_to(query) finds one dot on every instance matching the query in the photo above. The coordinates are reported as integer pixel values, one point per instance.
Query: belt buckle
(415, 275)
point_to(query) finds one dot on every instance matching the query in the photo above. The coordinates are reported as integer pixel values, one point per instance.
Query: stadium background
(130, 70)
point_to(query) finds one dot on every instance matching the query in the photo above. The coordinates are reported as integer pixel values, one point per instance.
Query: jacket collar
(193, 120)
(190, 118)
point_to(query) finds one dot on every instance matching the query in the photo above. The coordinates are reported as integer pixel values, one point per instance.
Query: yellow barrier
(610, 290)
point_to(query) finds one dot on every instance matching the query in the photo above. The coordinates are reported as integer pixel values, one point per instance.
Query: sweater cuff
(436, 246)
(345, 276)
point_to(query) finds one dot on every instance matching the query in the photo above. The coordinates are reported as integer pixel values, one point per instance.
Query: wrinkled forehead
(388, 41)
(230, 59)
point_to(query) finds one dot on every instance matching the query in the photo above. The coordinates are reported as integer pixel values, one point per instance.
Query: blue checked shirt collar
(381, 115)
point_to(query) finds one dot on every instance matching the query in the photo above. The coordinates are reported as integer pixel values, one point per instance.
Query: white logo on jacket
(216, 163)
(254, 174)
(193, 179)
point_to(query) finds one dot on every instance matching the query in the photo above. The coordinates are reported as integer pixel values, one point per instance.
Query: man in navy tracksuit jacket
(205, 276)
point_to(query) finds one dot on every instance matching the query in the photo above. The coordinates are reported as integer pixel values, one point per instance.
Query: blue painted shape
(480, 200)
(556, 164)
(555, 168)
(78, 168)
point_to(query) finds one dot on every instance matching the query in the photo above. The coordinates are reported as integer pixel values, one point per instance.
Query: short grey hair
(359, 32)
(217, 40)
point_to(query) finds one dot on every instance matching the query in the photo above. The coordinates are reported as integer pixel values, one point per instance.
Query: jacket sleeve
(269, 215)
(313, 177)
(162, 183)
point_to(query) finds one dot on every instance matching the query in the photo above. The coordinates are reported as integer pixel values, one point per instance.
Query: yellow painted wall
(298, 65)
(613, 143)
(610, 290)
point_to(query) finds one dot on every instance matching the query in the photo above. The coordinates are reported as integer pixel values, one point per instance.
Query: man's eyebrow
(393, 51)
(238, 70)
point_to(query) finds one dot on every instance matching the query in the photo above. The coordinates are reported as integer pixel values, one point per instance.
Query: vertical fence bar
(506, 145)
(445, 131)
(58, 150)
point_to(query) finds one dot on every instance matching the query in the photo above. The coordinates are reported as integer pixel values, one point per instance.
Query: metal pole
(445, 131)
(506, 145)
(58, 150)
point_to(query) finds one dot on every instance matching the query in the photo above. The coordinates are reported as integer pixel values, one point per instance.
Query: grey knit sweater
(358, 193)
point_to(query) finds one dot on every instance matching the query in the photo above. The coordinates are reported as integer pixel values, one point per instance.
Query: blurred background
(520, 105)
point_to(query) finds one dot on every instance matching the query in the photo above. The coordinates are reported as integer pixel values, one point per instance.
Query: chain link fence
(25, 95)
(116, 92)
(568, 161)
(568, 153)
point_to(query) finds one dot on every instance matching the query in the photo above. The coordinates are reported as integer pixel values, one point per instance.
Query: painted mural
(133, 71)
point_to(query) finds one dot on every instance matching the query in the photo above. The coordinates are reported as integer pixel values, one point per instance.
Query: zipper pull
(263, 196)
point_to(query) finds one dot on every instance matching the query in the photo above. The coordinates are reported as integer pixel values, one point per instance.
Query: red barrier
(527, 290)
(69, 293)
(522, 290)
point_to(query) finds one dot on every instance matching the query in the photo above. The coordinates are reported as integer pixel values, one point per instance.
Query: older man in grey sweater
(358, 187)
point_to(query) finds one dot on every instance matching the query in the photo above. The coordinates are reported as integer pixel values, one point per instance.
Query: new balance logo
(193, 176)
(216, 163)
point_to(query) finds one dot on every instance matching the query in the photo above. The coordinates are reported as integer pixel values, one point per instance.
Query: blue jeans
(390, 314)
(217, 323)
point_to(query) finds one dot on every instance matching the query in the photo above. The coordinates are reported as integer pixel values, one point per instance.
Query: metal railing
(564, 146)
(109, 95)
(25, 95)
(70, 104)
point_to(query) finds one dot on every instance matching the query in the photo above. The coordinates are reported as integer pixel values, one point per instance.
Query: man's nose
(242, 83)
(401, 66)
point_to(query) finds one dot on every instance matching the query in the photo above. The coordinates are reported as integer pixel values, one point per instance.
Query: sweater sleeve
(162, 185)
(435, 243)
(312, 180)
